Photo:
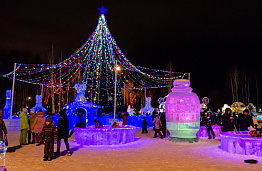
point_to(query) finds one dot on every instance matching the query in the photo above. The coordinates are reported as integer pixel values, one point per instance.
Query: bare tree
(235, 80)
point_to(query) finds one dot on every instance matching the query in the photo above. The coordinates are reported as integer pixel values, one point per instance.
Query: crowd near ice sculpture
(241, 142)
(38, 104)
(105, 136)
(148, 109)
(86, 111)
(182, 110)
(7, 108)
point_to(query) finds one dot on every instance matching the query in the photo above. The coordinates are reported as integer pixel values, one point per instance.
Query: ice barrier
(105, 136)
(241, 142)
(203, 131)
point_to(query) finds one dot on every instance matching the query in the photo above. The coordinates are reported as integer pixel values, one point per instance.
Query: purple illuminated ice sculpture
(241, 142)
(105, 136)
(182, 111)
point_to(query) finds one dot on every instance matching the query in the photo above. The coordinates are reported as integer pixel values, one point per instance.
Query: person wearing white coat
(255, 122)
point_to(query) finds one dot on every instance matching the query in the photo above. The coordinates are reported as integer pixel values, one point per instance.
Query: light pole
(117, 68)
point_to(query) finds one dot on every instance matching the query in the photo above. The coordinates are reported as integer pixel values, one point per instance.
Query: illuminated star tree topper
(102, 10)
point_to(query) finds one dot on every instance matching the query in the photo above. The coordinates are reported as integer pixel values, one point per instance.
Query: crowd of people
(229, 121)
(241, 123)
(36, 129)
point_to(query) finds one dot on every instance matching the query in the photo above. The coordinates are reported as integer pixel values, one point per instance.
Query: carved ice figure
(162, 103)
(130, 110)
(7, 108)
(80, 89)
(148, 109)
(85, 110)
(38, 105)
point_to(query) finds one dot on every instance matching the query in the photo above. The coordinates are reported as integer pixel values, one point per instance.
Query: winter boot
(49, 158)
(44, 158)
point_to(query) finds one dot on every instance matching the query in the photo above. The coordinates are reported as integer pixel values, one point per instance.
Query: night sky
(205, 38)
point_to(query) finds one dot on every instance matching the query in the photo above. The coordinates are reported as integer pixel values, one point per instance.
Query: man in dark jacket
(163, 122)
(245, 121)
(48, 135)
(227, 121)
(63, 131)
(144, 127)
(209, 128)
(31, 120)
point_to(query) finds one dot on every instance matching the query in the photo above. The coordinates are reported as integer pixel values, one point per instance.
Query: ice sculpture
(85, 110)
(38, 105)
(161, 102)
(148, 109)
(130, 111)
(241, 142)
(7, 108)
(105, 136)
(182, 110)
(203, 131)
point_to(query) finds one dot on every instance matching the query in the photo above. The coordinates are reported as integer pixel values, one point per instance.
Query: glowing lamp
(182, 110)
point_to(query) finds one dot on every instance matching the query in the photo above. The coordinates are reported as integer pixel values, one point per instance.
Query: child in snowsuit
(144, 128)
(157, 127)
(48, 135)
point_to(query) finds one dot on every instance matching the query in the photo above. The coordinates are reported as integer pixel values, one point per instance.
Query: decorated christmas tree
(100, 67)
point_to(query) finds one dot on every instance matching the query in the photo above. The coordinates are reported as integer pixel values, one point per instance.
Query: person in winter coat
(23, 126)
(227, 121)
(235, 125)
(125, 118)
(98, 124)
(209, 128)
(163, 122)
(63, 131)
(219, 117)
(255, 122)
(2, 125)
(144, 128)
(245, 121)
(30, 132)
(157, 127)
(48, 135)
(38, 125)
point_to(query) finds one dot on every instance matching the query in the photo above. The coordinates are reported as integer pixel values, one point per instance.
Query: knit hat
(49, 120)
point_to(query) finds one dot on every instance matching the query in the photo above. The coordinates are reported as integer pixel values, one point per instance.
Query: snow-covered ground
(144, 154)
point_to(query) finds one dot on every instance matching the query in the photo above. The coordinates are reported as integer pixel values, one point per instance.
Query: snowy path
(144, 154)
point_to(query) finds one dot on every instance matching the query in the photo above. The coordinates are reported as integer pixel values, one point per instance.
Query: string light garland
(94, 64)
